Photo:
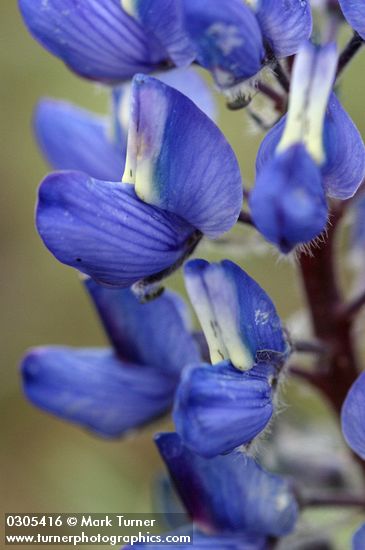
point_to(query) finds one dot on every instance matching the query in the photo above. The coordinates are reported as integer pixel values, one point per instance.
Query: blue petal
(92, 388)
(269, 144)
(165, 20)
(97, 39)
(217, 408)
(191, 84)
(344, 170)
(105, 231)
(156, 333)
(73, 139)
(284, 24)
(238, 318)
(358, 541)
(354, 11)
(228, 39)
(179, 160)
(353, 417)
(229, 493)
(288, 202)
(186, 81)
(202, 541)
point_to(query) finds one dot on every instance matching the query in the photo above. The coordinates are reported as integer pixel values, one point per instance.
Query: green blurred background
(47, 465)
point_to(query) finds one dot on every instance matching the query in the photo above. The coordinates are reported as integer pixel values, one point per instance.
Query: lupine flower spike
(134, 194)
(221, 406)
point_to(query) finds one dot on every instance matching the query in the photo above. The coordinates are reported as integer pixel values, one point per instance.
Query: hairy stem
(337, 369)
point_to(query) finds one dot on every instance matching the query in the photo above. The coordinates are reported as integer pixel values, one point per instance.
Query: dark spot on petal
(213, 327)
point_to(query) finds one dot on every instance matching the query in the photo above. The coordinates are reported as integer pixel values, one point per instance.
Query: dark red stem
(279, 100)
(337, 369)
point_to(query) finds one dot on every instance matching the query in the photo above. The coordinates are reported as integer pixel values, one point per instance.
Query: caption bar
(96, 529)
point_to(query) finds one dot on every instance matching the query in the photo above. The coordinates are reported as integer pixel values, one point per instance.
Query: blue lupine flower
(358, 541)
(344, 167)
(219, 407)
(288, 203)
(353, 416)
(228, 39)
(238, 318)
(229, 493)
(354, 11)
(74, 139)
(312, 152)
(181, 176)
(111, 391)
(100, 40)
